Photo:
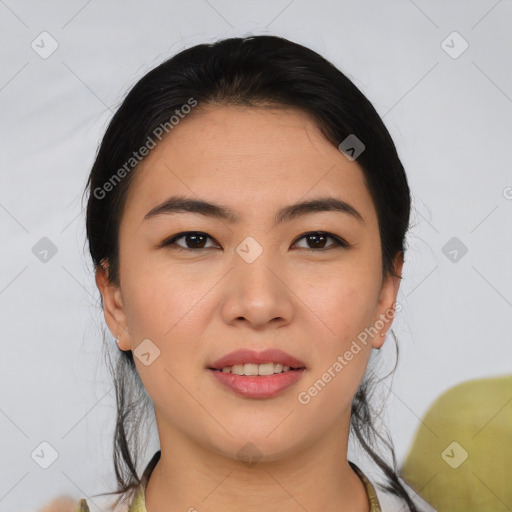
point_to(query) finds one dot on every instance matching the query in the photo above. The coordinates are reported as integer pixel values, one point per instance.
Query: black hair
(254, 72)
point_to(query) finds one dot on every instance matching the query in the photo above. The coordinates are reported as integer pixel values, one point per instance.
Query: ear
(113, 309)
(387, 301)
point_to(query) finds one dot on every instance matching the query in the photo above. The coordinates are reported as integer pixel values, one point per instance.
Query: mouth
(251, 362)
(253, 374)
(260, 370)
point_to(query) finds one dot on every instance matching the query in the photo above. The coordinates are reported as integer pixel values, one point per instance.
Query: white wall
(451, 121)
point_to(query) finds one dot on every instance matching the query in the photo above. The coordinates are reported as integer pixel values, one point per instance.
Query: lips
(243, 356)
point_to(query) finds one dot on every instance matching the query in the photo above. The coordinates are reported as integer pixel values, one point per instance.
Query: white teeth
(265, 369)
(256, 369)
(237, 369)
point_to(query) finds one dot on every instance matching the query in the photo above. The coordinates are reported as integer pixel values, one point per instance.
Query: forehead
(247, 157)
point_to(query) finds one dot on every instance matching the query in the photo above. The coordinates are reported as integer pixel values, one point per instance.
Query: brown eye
(194, 240)
(318, 240)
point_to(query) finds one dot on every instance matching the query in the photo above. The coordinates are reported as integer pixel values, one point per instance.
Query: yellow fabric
(138, 503)
(461, 457)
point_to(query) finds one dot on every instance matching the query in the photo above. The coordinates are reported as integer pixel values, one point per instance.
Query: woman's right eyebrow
(182, 204)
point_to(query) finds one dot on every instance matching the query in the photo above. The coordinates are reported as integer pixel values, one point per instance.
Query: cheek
(342, 352)
(164, 307)
(346, 301)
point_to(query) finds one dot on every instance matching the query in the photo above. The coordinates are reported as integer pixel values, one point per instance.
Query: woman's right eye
(194, 241)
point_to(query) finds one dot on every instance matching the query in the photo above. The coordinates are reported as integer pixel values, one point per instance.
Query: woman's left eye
(198, 241)
(319, 238)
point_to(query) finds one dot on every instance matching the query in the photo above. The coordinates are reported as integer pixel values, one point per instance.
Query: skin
(198, 306)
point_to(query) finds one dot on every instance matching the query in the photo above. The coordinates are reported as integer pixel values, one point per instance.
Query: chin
(254, 447)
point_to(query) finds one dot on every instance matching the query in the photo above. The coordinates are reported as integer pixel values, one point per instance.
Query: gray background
(451, 121)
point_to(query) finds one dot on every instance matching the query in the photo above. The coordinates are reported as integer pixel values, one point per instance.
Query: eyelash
(339, 242)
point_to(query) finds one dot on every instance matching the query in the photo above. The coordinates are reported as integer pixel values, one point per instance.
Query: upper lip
(271, 355)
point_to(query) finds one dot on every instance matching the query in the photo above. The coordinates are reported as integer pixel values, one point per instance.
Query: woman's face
(252, 279)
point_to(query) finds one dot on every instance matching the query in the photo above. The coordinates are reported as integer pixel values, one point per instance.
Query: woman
(246, 218)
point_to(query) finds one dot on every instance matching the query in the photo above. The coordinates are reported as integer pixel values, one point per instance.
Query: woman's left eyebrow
(182, 204)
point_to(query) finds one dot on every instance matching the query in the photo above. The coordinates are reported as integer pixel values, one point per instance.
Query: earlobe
(113, 309)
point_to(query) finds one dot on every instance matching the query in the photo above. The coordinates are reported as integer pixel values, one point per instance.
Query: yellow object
(461, 457)
(82, 506)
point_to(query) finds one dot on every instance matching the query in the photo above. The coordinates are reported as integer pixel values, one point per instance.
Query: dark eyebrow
(180, 204)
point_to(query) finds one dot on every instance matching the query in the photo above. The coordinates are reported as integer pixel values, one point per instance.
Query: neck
(318, 477)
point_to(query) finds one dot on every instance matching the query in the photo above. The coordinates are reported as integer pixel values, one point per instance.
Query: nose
(257, 294)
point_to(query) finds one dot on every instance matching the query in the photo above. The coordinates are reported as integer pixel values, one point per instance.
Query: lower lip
(262, 386)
